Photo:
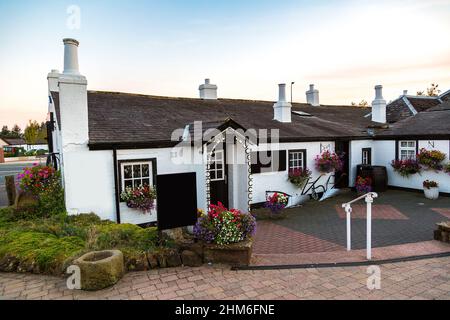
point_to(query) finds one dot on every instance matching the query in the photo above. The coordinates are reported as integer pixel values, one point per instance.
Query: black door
(176, 200)
(219, 178)
(342, 177)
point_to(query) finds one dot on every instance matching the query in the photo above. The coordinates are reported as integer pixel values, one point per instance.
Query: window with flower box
(297, 159)
(217, 166)
(135, 173)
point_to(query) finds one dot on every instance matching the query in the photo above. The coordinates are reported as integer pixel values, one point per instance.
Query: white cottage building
(105, 141)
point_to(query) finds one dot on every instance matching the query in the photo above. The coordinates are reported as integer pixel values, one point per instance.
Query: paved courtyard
(423, 279)
(399, 218)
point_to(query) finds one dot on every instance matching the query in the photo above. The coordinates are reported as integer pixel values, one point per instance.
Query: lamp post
(292, 84)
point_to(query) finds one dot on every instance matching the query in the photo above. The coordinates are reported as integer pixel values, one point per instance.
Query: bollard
(2, 155)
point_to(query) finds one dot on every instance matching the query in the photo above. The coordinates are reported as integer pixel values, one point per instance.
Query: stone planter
(100, 269)
(432, 193)
(237, 254)
(443, 232)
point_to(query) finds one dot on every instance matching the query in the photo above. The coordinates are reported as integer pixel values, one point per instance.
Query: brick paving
(399, 218)
(424, 279)
(273, 238)
(445, 212)
(379, 212)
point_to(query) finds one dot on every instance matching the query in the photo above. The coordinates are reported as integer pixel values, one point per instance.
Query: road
(9, 169)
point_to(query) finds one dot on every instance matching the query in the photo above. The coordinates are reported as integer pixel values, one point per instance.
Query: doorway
(342, 178)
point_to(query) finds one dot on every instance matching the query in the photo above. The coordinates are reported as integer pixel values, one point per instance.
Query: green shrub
(116, 236)
(41, 252)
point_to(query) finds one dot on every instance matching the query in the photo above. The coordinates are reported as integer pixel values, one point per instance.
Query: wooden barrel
(378, 174)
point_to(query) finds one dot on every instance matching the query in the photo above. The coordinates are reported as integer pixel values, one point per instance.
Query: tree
(433, 91)
(16, 132)
(32, 132)
(5, 131)
(362, 104)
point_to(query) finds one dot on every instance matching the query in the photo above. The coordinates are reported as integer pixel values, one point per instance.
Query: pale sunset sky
(246, 47)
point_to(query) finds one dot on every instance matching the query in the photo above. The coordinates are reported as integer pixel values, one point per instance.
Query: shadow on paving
(321, 220)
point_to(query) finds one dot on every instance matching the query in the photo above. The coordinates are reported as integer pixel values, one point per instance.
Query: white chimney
(379, 106)
(312, 96)
(208, 91)
(52, 78)
(405, 92)
(282, 109)
(71, 56)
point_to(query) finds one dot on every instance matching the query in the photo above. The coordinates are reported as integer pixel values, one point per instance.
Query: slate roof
(445, 96)
(399, 109)
(433, 123)
(14, 141)
(123, 118)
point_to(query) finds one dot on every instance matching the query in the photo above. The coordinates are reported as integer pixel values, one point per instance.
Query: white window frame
(407, 149)
(219, 173)
(132, 164)
(366, 156)
(297, 162)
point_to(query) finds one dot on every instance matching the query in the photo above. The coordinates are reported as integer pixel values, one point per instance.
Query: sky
(246, 47)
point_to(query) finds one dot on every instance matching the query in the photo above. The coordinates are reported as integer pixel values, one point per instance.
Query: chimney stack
(379, 106)
(405, 92)
(71, 56)
(282, 109)
(312, 96)
(208, 91)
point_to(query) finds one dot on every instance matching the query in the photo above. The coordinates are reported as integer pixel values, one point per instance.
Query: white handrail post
(369, 201)
(348, 211)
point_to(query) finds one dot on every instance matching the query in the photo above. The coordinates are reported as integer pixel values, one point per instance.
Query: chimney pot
(282, 109)
(379, 106)
(208, 91)
(312, 96)
(71, 56)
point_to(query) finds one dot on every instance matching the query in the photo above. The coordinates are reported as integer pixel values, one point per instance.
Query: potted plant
(277, 202)
(227, 235)
(299, 177)
(142, 198)
(406, 167)
(431, 160)
(431, 189)
(447, 168)
(328, 162)
(363, 185)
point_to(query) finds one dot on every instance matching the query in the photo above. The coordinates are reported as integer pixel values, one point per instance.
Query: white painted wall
(355, 157)
(278, 181)
(384, 153)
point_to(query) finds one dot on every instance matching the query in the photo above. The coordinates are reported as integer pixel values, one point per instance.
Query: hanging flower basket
(299, 177)
(431, 160)
(142, 198)
(406, 168)
(277, 202)
(328, 162)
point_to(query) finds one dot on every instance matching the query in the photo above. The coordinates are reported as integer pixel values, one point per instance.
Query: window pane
(219, 175)
(411, 144)
(137, 183)
(129, 183)
(137, 171)
(127, 172)
(212, 175)
(145, 182)
(404, 144)
(145, 170)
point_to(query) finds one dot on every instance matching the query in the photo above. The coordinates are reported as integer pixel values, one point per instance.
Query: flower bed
(328, 162)
(406, 168)
(363, 185)
(142, 198)
(222, 226)
(431, 159)
(277, 202)
(299, 177)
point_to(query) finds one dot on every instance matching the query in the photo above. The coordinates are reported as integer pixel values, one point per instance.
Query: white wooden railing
(348, 210)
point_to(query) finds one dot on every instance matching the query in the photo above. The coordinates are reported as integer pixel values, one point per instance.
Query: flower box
(236, 254)
(431, 190)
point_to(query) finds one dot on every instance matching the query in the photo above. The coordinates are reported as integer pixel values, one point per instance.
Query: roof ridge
(295, 104)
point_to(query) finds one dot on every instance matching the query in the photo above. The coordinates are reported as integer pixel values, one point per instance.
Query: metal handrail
(348, 210)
